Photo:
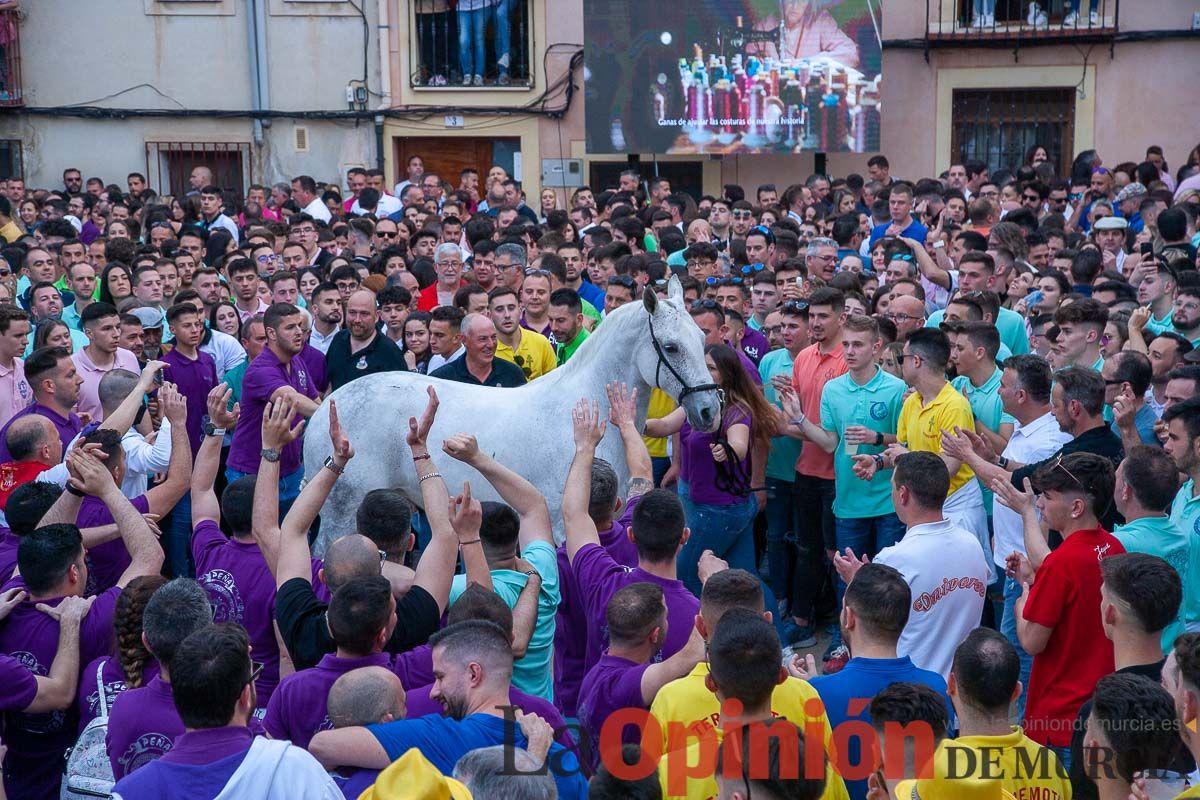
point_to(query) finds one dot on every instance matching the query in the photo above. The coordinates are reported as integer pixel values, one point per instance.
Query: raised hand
(1021, 502)
(847, 564)
(277, 430)
(622, 403)
(88, 474)
(1138, 318)
(466, 514)
(462, 446)
(1124, 409)
(1017, 567)
(955, 443)
(802, 666)
(147, 380)
(418, 429)
(173, 404)
(218, 407)
(342, 449)
(587, 424)
(864, 467)
(10, 600)
(709, 565)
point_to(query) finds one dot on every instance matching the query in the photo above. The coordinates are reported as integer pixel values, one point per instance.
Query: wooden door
(444, 156)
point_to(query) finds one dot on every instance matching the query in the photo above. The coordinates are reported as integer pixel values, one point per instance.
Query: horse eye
(671, 347)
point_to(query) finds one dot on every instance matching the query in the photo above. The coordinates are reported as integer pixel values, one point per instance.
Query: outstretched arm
(513, 489)
(294, 558)
(348, 747)
(589, 430)
(623, 415)
(123, 415)
(208, 459)
(56, 691)
(162, 498)
(525, 612)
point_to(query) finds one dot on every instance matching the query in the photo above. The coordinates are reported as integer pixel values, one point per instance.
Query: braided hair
(127, 619)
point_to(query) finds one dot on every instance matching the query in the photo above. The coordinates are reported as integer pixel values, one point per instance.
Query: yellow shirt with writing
(661, 404)
(534, 355)
(920, 427)
(1027, 770)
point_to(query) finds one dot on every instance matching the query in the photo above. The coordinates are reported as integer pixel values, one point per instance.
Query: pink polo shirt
(15, 391)
(811, 370)
(89, 391)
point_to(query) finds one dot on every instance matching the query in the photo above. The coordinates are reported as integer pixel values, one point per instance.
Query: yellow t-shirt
(1035, 772)
(1192, 792)
(661, 404)
(535, 355)
(920, 427)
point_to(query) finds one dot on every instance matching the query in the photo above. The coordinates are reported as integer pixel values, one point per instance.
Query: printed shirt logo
(111, 690)
(148, 747)
(362, 363)
(878, 410)
(25, 391)
(51, 722)
(1102, 550)
(224, 595)
(927, 600)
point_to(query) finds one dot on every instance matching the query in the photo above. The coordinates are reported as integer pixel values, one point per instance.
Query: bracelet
(71, 489)
(1002, 462)
(799, 421)
(531, 573)
(469, 541)
(422, 457)
(878, 461)
(332, 466)
(424, 478)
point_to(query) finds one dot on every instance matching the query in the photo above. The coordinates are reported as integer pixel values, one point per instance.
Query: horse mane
(628, 316)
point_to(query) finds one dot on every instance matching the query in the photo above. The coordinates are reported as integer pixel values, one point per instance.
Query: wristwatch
(270, 454)
(212, 430)
(878, 461)
(878, 438)
(332, 466)
(1002, 462)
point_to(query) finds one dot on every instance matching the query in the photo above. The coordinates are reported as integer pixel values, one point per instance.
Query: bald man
(359, 349)
(907, 312)
(34, 446)
(479, 365)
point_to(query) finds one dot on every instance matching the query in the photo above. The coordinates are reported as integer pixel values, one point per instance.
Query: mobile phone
(1147, 248)
(800, 282)
(1034, 299)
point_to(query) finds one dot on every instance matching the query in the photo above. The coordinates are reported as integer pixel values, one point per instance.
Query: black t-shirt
(1100, 441)
(342, 366)
(305, 632)
(504, 373)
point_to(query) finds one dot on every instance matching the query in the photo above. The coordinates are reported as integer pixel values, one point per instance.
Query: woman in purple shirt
(715, 468)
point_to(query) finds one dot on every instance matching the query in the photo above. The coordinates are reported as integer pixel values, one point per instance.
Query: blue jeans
(289, 487)
(985, 7)
(503, 39)
(726, 530)
(1008, 626)
(471, 26)
(177, 539)
(781, 539)
(660, 465)
(868, 535)
(1091, 5)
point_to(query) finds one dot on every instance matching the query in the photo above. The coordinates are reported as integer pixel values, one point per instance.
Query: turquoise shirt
(70, 316)
(875, 405)
(1144, 421)
(1185, 515)
(1162, 324)
(781, 463)
(988, 409)
(1009, 324)
(533, 674)
(1159, 536)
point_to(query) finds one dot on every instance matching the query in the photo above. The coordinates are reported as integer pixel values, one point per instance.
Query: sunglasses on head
(705, 303)
(715, 281)
(796, 305)
(753, 269)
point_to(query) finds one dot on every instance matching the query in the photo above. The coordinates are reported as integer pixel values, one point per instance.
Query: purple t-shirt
(68, 427)
(414, 667)
(614, 683)
(298, 708)
(697, 467)
(241, 589)
(264, 375)
(195, 379)
(570, 626)
(197, 769)
(755, 345)
(9, 542)
(600, 577)
(418, 703)
(314, 359)
(106, 562)
(88, 696)
(750, 368)
(353, 782)
(36, 742)
(18, 687)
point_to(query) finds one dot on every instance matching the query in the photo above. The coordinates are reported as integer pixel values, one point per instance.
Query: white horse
(650, 344)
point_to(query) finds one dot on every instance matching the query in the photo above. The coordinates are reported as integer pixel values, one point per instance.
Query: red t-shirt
(1065, 596)
(15, 473)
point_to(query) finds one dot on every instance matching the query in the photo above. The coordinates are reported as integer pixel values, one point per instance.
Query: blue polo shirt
(1185, 515)
(915, 231)
(875, 405)
(1009, 323)
(1159, 536)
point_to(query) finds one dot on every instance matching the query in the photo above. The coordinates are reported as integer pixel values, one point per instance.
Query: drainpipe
(385, 76)
(259, 92)
(252, 43)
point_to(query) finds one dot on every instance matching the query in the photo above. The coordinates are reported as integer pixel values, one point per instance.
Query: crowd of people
(951, 496)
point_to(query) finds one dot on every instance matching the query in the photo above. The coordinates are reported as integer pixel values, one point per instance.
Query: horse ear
(675, 290)
(650, 299)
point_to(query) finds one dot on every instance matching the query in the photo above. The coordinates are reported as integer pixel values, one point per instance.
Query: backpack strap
(100, 690)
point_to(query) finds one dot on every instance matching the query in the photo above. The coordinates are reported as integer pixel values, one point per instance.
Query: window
(11, 162)
(997, 126)
(10, 60)
(479, 44)
(170, 164)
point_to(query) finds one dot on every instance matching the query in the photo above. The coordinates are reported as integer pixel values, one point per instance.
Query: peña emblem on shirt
(224, 595)
(146, 748)
(362, 363)
(50, 722)
(111, 690)
(879, 410)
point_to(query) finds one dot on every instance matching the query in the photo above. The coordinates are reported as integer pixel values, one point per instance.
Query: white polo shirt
(1028, 444)
(948, 576)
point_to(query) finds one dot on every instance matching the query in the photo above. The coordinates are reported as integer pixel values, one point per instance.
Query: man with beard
(479, 365)
(1186, 319)
(326, 308)
(360, 349)
(472, 663)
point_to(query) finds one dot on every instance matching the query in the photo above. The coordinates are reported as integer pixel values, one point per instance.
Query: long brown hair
(741, 391)
(127, 619)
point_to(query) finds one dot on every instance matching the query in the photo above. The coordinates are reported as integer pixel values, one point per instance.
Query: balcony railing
(1031, 22)
(485, 47)
(10, 60)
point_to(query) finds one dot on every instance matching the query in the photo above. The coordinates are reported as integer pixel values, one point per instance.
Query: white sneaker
(988, 21)
(976, 21)
(1094, 19)
(1037, 17)
(479, 80)
(1071, 20)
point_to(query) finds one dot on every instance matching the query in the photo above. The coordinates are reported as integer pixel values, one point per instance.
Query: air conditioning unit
(300, 139)
(562, 173)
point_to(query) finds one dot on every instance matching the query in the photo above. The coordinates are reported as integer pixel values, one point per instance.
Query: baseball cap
(1113, 223)
(149, 317)
(412, 777)
(1131, 191)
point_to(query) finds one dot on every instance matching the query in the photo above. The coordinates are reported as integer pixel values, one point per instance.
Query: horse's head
(675, 359)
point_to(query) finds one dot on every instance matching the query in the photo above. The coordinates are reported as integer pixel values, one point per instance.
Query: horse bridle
(663, 362)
